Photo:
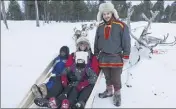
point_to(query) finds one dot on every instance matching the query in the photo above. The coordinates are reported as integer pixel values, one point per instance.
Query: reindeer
(149, 41)
(145, 42)
(84, 31)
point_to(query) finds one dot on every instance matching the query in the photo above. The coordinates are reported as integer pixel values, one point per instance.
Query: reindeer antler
(152, 39)
(144, 32)
(164, 43)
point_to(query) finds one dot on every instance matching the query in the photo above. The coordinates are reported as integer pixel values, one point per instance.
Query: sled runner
(27, 101)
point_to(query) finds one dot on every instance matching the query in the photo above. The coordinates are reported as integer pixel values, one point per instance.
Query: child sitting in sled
(58, 67)
(60, 60)
(74, 86)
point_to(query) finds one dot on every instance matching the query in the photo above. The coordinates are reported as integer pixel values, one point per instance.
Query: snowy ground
(26, 50)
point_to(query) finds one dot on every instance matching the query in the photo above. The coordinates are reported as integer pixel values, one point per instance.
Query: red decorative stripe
(119, 23)
(111, 64)
(126, 56)
(107, 30)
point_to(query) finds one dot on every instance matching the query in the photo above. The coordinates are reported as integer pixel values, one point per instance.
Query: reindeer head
(84, 27)
(84, 30)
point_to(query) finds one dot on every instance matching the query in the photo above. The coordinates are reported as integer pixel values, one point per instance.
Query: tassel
(107, 31)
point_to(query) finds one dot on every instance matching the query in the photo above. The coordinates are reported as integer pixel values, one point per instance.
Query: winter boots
(65, 104)
(117, 98)
(53, 102)
(107, 93)
(36, 91)
(80, 105)
(41, 102)
(39, 91)
(43, 90)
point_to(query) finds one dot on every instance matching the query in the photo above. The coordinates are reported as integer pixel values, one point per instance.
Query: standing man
(112, 46)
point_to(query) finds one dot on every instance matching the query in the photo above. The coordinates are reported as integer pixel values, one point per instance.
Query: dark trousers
(66, 93)
(56, 88)
(74, 96)
(85, 93)
(113, 77)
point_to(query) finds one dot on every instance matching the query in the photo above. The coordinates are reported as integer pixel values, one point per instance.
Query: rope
(133, 64)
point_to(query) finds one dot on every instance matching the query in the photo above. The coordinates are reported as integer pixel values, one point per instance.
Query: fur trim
(82, 39)
(106, 7)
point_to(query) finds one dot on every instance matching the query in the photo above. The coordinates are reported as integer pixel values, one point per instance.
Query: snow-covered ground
(26, 50)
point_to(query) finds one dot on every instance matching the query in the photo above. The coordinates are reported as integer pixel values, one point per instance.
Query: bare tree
(4, 14)
(45, 9)
(37, 13)
(130, 11)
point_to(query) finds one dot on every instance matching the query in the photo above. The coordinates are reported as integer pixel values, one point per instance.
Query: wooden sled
(28, 100)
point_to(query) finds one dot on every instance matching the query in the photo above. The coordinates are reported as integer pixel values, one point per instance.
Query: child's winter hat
(84, 40)
(106, 7)
(66, 50)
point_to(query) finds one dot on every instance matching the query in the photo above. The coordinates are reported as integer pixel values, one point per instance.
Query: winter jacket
(112, 43)
(59, 65)
(84, 77)
(58, 68)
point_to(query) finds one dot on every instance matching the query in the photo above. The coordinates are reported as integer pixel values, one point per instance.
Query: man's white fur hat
(106, 7)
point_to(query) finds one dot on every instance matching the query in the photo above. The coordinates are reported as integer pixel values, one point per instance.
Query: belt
(112, 54)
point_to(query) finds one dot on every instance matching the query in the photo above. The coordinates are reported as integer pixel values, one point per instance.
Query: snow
(26, 50)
